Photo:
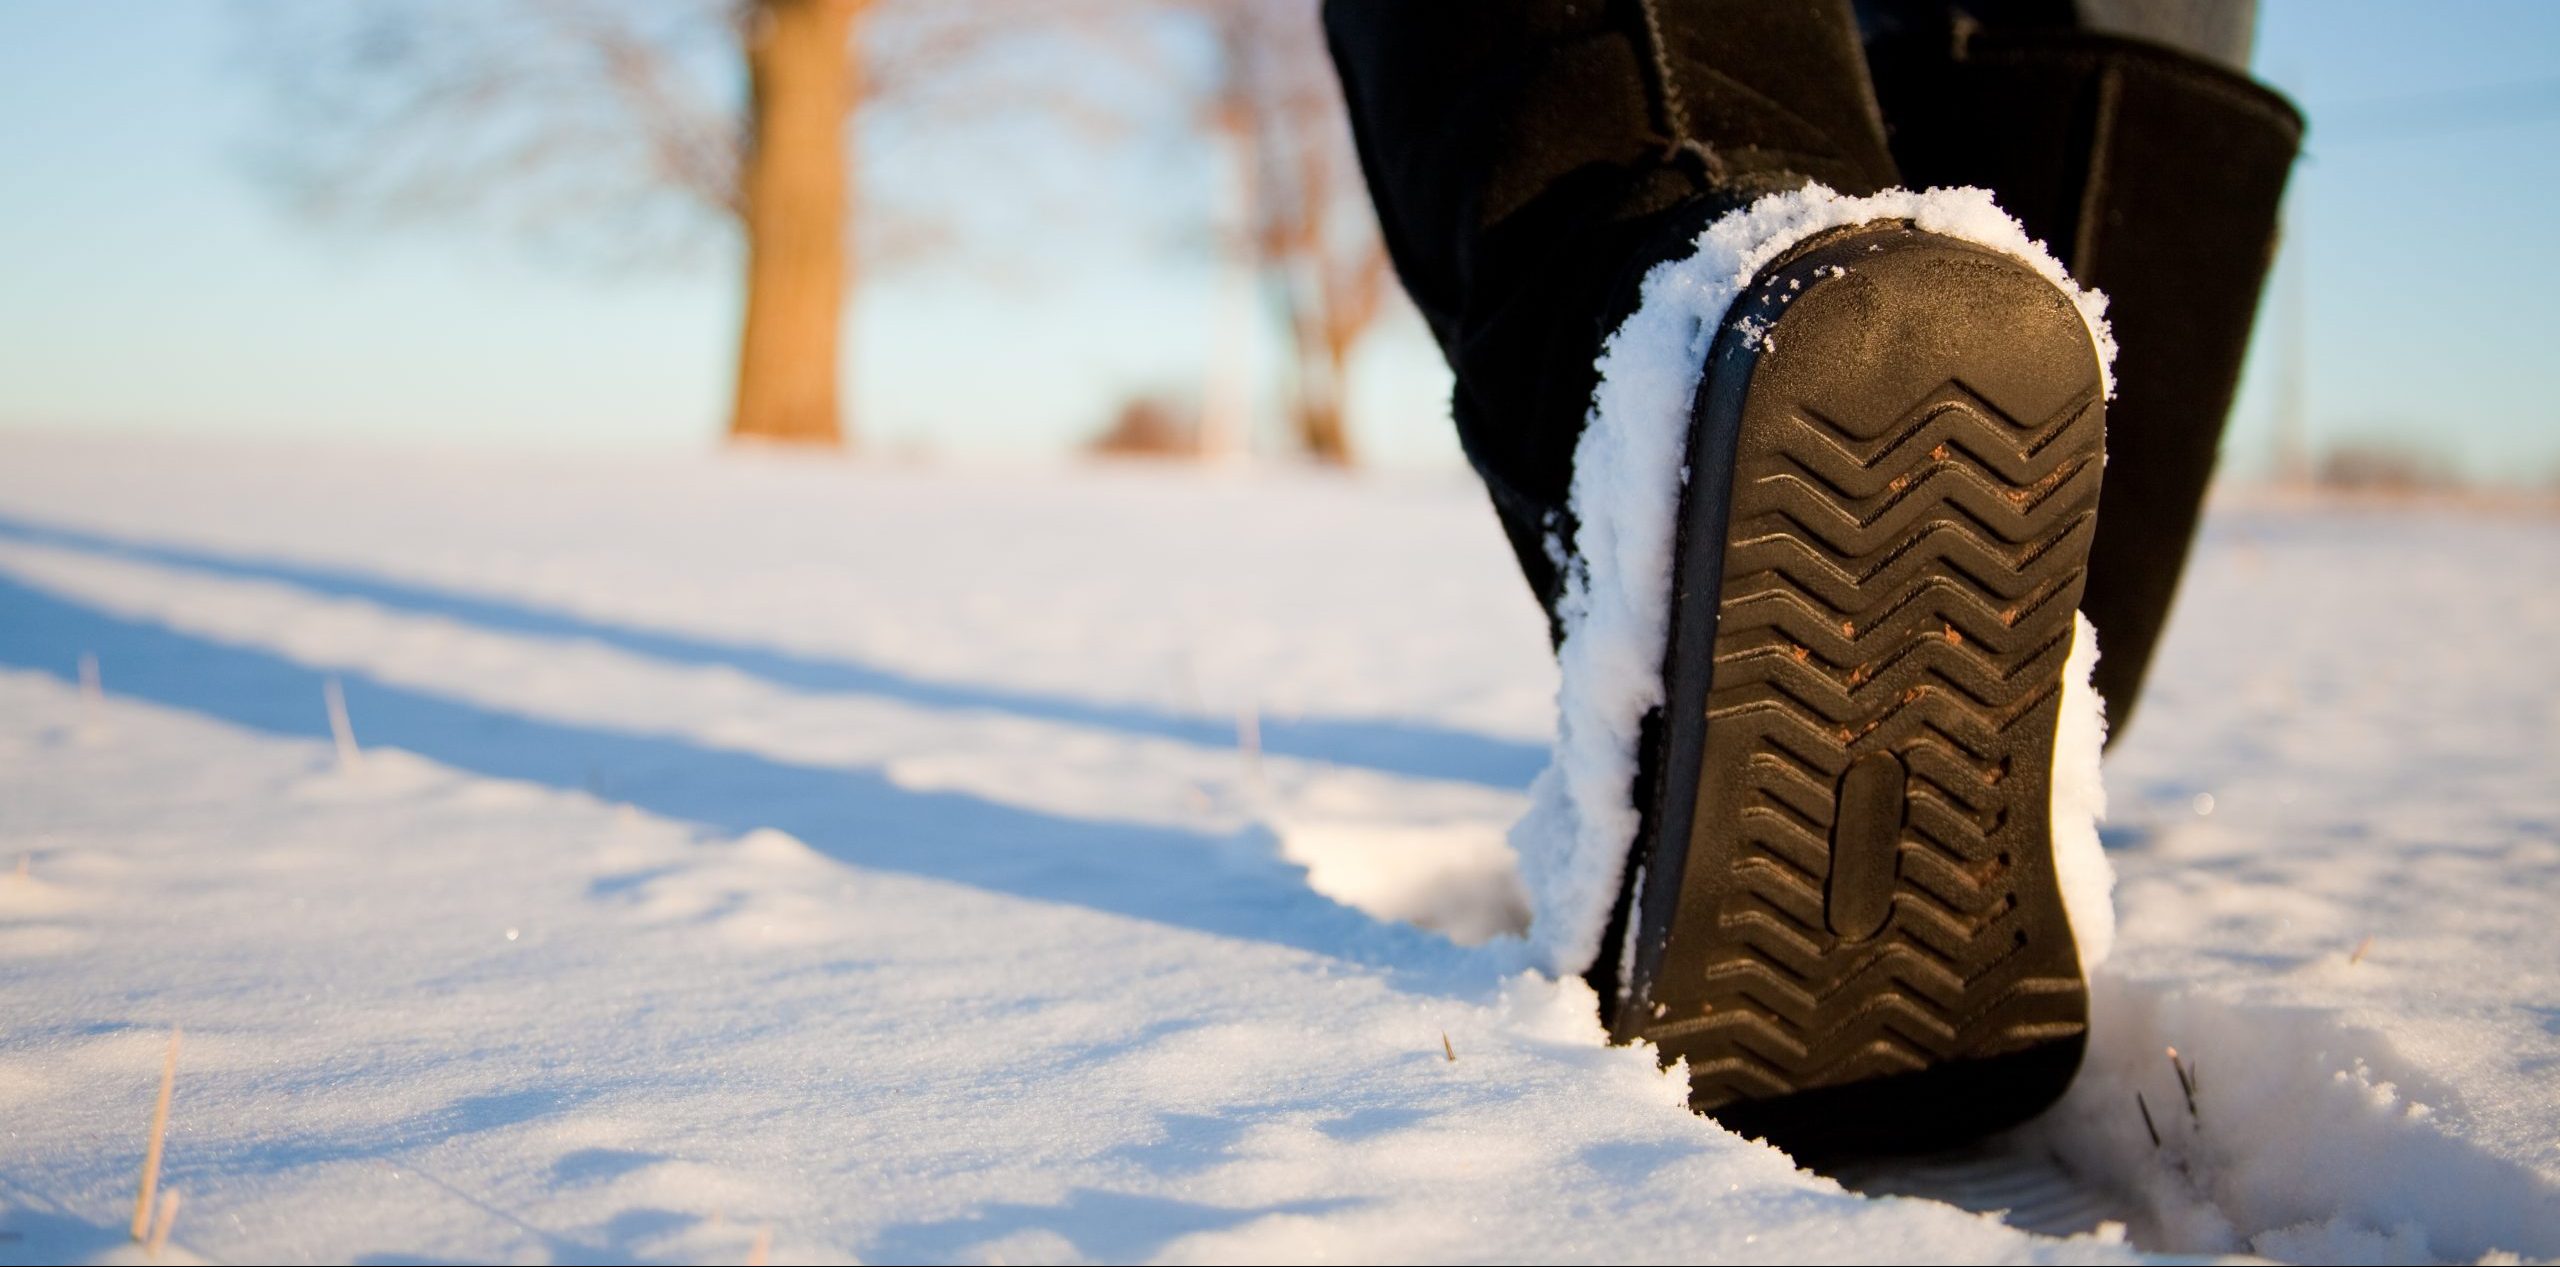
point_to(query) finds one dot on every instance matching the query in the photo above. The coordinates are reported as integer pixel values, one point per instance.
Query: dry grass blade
(160, 1228)
(1446, 1049)
(159, 1134)
(1249, 731)
(340, 729)
(2186, 1083)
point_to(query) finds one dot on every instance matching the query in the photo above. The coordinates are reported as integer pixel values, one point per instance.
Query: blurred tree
(1305, 222)
(611, 131)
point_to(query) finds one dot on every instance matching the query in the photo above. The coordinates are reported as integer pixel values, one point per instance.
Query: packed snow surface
(909, 863)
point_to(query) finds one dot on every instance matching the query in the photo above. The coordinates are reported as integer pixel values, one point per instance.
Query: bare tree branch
(1309, 228)
(694, 142)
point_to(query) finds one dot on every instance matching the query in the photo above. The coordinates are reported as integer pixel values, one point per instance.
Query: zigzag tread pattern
(1909, 594)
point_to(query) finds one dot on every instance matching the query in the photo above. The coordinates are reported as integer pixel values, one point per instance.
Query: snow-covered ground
(987, 864)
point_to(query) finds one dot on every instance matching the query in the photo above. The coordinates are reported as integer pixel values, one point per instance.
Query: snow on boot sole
(1846, 914)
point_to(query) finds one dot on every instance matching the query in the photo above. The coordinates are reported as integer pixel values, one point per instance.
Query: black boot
(1838, 898)
(2156, 177)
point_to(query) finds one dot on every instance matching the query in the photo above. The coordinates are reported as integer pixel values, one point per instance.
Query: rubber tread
(1913, 430)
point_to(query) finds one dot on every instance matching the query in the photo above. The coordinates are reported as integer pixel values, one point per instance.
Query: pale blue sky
(147, 281)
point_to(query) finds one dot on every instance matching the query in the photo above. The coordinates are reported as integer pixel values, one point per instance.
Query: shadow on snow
(1411, 749)
(1181, 878)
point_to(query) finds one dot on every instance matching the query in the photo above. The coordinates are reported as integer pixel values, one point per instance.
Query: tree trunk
(1316, 405)
(802, 83)
(1322, 431)
(1328, 429)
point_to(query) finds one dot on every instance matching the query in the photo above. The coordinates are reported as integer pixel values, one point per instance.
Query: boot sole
(1850, 926)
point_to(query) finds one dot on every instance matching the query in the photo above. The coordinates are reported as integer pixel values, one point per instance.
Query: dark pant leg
(1529, 158)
